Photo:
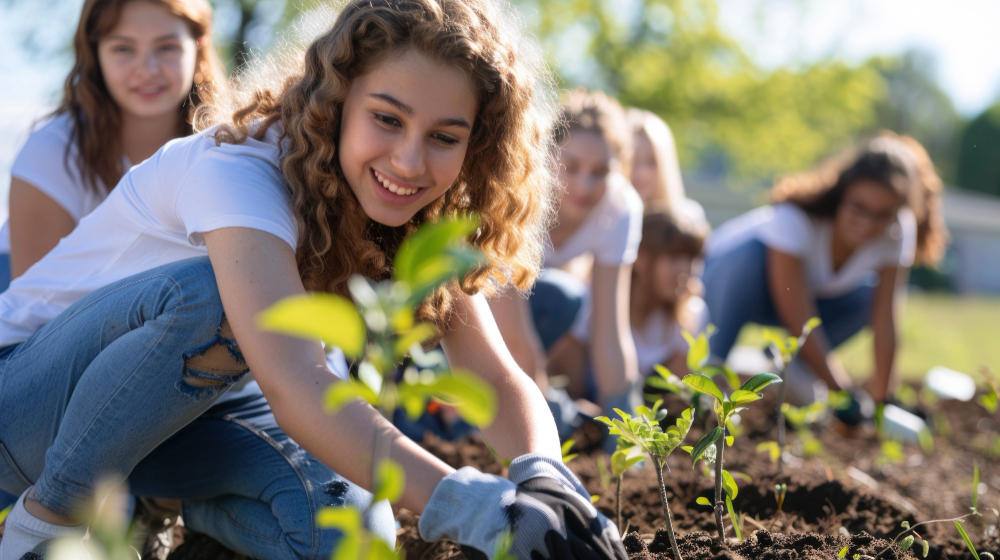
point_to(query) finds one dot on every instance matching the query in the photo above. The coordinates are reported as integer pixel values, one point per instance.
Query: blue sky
(962, 35)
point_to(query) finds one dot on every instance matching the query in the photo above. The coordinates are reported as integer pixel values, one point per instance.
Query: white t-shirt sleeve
(43, 164)
(789, 230)
(906, 248)
(620, 242)
(235, 190)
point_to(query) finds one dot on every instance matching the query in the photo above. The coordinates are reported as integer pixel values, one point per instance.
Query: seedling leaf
(842, 553)
(703, 501)
(906, 543)
(968, 541)
(772, 448)
(348, 521)
(620, 462)
(703, 443)
(741, 396)
(326, 317)
(975, 485)
(340, 393)
(759, 381)
(390, 479)
(415, 335)
(704, 384)
(566, 455)
(732, 517)
(729, 484)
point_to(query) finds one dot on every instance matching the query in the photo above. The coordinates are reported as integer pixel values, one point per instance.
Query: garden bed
(845, 496)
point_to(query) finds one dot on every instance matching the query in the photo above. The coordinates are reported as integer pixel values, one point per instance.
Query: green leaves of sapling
(317, 316)
(704, 384)
(703, 444)
(434, 254)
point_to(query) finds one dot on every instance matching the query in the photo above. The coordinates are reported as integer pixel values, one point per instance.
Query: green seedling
(801, 419)
(779, 494)
(783, 351)
(378, 330)
(990, 401)
(642, 436)
(842, 553)
(909, 536)
(566, 455)
(725, 408)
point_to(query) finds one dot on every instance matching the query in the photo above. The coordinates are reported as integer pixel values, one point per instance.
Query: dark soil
(845, 496)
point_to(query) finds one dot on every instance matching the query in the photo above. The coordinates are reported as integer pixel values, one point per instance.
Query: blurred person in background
(662, 302)
(836, 243)
(600, 216)
(140, 70)
(656, 171)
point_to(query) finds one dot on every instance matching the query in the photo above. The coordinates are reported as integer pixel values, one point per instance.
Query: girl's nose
(409, 158)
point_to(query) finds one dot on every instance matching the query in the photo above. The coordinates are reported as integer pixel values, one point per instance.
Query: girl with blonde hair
(656, 171)
(600, 220)
(837, 243)
(406, 110)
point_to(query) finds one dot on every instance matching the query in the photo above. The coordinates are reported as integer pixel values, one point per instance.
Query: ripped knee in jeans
(213, 367)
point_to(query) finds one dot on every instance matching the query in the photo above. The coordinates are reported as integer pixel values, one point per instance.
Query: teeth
(393, 187)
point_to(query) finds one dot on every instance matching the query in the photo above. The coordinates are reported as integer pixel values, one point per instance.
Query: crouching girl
(127, 332)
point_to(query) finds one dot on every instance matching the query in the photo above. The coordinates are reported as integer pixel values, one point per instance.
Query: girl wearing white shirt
(663, 302)
(128, 331)
(600, 217)
(141, 70)
(837, 243)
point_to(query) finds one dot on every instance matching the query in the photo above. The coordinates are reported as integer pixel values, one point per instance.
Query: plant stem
(719, 505)
(781, 418)
(910, 530)
(666, 505)
(618, 503)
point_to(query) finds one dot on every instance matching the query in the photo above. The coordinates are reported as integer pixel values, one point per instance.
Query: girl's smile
(395, 191)
(404, 135)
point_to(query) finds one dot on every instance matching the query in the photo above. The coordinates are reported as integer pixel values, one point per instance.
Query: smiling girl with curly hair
(404, 111)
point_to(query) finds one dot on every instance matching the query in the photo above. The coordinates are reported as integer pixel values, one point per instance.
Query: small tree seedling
(783, 351)
(990, 401)
(642, 436)
(725, 407)
(378, 330)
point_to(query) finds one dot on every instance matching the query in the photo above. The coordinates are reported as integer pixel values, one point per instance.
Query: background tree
(979, 153)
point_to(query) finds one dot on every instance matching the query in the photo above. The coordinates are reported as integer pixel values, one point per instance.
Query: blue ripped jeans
(121, 386)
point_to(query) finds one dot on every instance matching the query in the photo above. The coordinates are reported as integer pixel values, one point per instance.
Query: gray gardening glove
(543, 505)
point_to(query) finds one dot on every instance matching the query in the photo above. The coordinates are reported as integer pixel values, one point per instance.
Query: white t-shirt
(788, 228)
(658, 340)
(156, 215)
(611, 231)
(43, 163)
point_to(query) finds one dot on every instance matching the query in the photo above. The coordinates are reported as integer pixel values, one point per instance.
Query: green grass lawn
(962, 333)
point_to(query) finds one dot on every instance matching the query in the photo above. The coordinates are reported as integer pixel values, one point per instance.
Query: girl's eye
(169, 48)
(121, 49)
(445, 139)
(386, 120)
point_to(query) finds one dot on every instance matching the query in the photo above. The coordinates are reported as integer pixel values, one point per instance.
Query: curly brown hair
(899, 163)
(507, 178)
(95, 117)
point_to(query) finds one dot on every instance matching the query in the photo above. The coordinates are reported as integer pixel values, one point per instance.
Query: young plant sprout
(783, 351)
(725, 408)
(379, 329)
(991, 402)
(641, 436)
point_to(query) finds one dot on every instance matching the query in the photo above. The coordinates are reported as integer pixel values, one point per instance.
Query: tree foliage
(978, 162)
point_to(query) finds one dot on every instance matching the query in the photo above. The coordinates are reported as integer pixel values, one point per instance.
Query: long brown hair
(666, 233)
(507, 179)
(94, 115)
(669, 189)
(899, 163)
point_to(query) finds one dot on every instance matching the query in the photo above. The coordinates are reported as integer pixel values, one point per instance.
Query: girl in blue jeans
(123, 336)
(140, 70)
(837, 243)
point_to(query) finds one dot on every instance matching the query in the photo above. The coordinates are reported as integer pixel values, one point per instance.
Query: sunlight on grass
(938, 330)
